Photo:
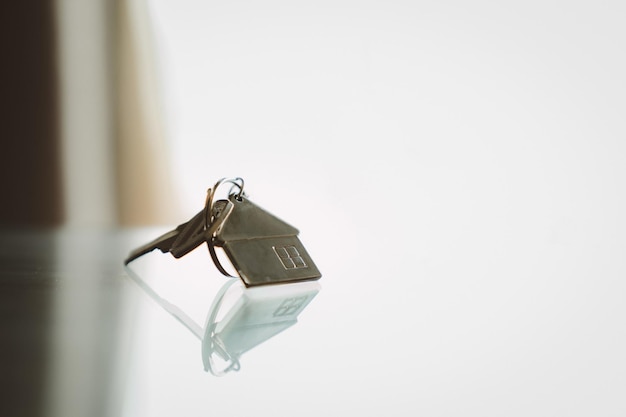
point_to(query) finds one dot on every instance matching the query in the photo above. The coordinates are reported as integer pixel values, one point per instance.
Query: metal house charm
(262, 248)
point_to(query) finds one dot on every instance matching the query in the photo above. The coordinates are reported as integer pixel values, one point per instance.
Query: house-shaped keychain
(262, 248)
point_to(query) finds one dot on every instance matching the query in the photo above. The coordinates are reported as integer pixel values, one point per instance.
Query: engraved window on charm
(290, 257)
(290, 306)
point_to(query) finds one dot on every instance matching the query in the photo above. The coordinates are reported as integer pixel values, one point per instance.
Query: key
(187, 236)
(262, 248)
(194, 234)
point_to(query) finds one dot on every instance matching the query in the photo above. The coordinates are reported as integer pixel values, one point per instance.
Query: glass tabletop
(382, 332)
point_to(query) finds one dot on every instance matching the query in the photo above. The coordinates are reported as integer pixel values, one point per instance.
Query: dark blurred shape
(25, 297)
(30, 175)
(59, 319)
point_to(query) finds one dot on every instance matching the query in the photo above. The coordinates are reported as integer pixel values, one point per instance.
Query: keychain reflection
(240, 318)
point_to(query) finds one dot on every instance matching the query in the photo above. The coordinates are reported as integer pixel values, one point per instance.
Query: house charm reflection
(258, 315)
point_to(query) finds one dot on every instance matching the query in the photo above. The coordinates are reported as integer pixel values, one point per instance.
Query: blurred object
(30, 176)
(85, 85)
(26, 260)
(114, 154)
(144, 181)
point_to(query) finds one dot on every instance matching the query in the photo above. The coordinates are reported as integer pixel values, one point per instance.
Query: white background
(457, 172)
(495, 121)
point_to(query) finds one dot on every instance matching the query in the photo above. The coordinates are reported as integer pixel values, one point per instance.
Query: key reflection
(240, 318)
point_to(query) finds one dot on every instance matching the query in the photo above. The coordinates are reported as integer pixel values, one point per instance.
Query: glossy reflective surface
(510, 333)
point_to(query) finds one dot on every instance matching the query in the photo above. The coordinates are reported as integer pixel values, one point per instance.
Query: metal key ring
(209, 218)
(208, 203)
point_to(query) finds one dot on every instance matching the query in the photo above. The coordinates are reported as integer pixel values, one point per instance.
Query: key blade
(163, 243)
(194, 234)
(190, 237)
